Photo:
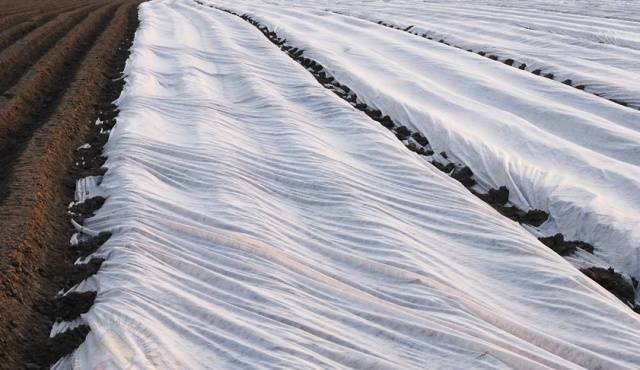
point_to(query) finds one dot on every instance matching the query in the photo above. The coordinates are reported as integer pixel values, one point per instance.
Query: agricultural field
(57, 60)
(217, 184)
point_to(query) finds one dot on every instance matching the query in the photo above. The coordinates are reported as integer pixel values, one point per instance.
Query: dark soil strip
(615, 283)
(418, 143)
(12, 20)
(86, 209)
(82, 272)
(22, 55)
(54, 348)
(38, 95)
(35, 258)
(565, 247)
(10, 15)
(87, 247)
(498, 198)
(507, 61)
(10, 36)
(71, 305)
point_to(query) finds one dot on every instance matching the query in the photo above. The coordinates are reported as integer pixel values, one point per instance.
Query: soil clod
(402, 132)
(612, 281)
(464, 175)
(496, 197)
(535, 217)
(419, 138)
(565, 247)
(86, 209)
(82, 271)
(91, 245)
(52, 349)
(71, 305)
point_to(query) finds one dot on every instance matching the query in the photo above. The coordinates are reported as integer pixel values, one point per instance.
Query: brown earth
(57, 59)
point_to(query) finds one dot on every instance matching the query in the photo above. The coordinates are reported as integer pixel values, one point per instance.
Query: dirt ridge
(37, 95)
(21, 55)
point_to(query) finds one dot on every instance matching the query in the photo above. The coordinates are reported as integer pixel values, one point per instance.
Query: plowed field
(56, 61)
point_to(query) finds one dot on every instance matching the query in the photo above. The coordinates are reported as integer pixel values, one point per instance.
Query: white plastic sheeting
(259, 222)
(601, 54)
(556, 148)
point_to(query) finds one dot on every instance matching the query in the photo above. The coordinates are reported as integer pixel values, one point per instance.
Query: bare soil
(58, 60)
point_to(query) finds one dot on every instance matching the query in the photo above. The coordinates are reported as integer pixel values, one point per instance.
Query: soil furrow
(51, 8)
(10, 36)
(9, 21)
(34, 97)
(39, 7)
(35, 259)
(20, 56)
